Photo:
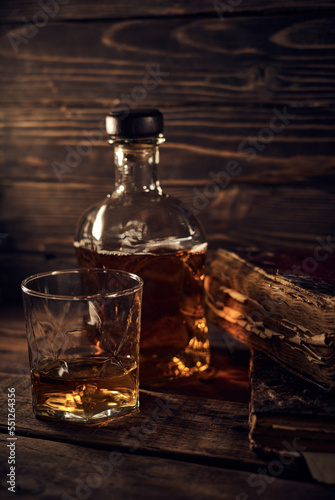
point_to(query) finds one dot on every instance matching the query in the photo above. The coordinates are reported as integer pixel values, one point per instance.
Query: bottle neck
(136, 164)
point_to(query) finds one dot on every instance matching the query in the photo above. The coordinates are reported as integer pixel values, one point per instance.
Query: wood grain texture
(221, 81)
(49, 470)
(13, 11)
(188, 428)
(285, 59)
(199, 141)
(42, 216)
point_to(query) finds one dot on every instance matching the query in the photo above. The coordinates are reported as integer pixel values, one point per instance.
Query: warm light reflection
(120, 157)
(98, 223)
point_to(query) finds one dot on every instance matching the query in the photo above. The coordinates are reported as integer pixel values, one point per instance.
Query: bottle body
(141, 230)
(174, 332)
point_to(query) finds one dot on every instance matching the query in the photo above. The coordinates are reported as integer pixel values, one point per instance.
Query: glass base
(109, 414)
(88, 391)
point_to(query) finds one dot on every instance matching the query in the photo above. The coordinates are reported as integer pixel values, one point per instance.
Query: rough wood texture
(288, 314)
(279, 59)
(84, 9)
(134, 477)
(199, 141)
(202, 439)
(200, 450)
(221, 80)
(187, 427)
(192, 427)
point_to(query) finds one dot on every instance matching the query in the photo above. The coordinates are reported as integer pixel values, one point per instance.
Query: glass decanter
(140, 229)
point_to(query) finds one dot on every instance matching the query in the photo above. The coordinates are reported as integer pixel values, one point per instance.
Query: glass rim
(81, 270)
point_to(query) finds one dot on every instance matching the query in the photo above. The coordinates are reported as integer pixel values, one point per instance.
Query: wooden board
(84, 9)
(221, 79)
(200, 140)
(193, 427)
(198, 448)
(285, 60)
(51, 470)
(190, 427)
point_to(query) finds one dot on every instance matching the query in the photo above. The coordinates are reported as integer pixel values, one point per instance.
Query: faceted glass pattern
(83, 330)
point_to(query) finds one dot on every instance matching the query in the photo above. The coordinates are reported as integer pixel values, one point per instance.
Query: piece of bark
(291, 318)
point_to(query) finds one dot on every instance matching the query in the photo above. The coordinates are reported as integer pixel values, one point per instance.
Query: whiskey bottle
(140, 229)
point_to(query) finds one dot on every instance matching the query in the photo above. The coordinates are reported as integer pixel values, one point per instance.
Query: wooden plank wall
(245, 85)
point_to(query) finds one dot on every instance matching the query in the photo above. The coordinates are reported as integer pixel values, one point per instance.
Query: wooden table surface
(198, 448)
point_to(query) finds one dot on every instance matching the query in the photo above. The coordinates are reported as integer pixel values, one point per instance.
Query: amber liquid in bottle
(174, 333)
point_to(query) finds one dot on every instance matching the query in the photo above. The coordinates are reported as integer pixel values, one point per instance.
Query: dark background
(227, 69)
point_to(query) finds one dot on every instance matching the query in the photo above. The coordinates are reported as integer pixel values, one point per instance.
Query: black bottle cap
(134, 123)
